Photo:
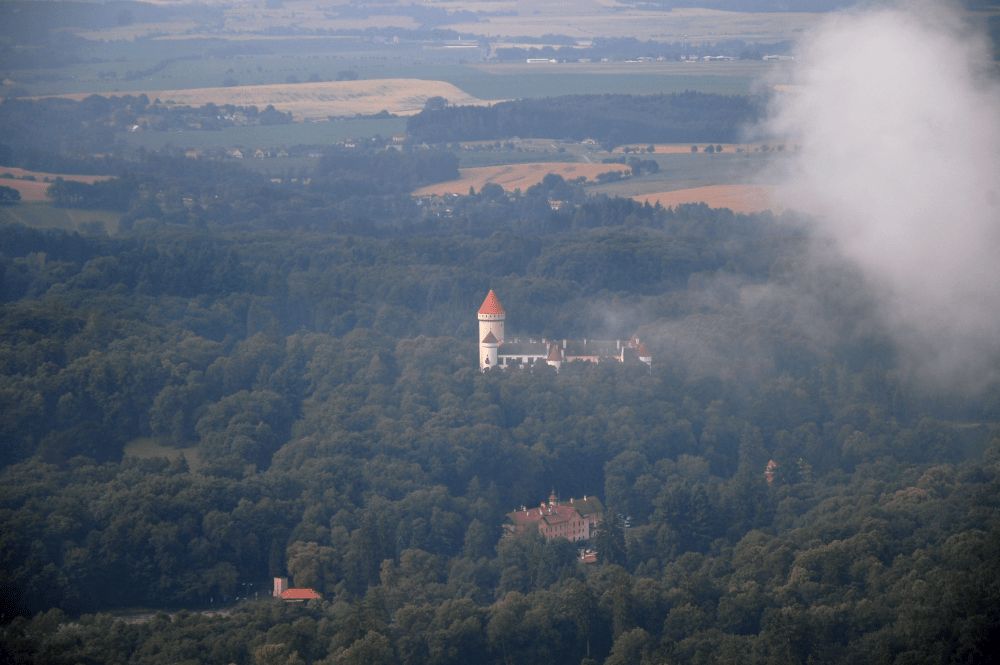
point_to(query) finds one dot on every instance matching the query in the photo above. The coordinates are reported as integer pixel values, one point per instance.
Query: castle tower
(491, 317)
(555, 357)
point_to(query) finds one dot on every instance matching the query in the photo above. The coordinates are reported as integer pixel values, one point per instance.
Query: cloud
(898, 128)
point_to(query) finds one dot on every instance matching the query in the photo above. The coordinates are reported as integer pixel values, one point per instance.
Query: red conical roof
(492, 305)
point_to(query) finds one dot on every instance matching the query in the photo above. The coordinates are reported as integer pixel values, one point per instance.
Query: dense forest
(249, 378)
(609, 119)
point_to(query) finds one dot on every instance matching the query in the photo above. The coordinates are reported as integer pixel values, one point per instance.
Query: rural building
(495, 350)
(575, 520)
(293, 595)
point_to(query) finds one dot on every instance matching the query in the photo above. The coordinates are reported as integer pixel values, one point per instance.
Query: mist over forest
(244, 252)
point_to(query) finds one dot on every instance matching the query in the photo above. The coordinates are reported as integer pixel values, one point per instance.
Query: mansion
(495, 350)
(575, 520)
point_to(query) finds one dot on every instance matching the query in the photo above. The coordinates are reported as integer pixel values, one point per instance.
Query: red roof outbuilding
(491, 305)
(300, 594)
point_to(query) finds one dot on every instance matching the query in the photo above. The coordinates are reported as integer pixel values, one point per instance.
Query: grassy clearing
(47, 216)
(469, 159)
(515, 176)
(150, 448)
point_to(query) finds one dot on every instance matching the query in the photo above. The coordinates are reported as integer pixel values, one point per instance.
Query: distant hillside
(750, 5)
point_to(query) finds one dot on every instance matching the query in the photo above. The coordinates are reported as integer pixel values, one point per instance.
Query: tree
(435, 103)
(9, 196)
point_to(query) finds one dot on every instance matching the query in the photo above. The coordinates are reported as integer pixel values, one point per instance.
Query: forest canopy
(249, 378)
(611, 120)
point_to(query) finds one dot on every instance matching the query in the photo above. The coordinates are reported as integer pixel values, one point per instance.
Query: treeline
(86, 136)
(610, 119)
(352, 172)
(623, 48)
(174, 189)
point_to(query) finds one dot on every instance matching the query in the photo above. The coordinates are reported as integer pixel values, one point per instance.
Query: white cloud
(899, 162)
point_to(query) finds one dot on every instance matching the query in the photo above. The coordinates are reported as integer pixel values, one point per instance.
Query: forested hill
(324, 388)
(609, 119)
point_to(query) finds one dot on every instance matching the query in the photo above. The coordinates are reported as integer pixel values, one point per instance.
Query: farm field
(584, 20)
(515, 176)
(738, 198)
(680, 170)
(46, 216)
(35, 190)
(272, 136)
(483, 81)
(562, 79)
(501, 158)
(504, 18)
(319, 101)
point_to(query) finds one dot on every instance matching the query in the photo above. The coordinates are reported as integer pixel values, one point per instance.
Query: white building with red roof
(496, 351)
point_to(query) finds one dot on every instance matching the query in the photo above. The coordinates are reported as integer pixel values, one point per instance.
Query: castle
(497, 351)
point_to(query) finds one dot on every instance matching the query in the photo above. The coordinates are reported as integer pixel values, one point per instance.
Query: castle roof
(490, 338)
(519, 348)
(557, 513)
(491, 305)
(601, 348)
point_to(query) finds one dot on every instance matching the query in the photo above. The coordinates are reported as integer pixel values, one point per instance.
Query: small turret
(555, 356)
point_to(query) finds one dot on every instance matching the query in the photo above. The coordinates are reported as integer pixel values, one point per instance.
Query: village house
(495, 350)
(575, 520)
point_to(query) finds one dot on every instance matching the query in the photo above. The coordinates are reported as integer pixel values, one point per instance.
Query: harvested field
(738, 198)
(318, 101)
(516, 176)
(30, 190)
(585, 20)
(34, 190)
